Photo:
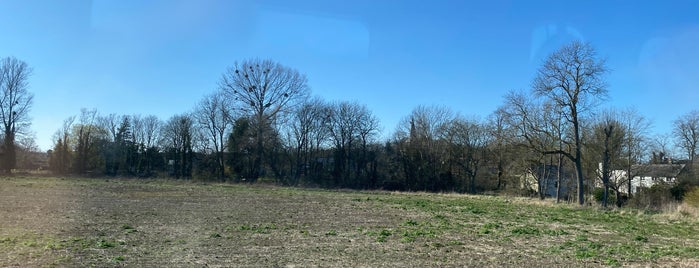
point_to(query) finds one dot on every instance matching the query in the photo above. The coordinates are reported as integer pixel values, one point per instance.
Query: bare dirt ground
(69, 222)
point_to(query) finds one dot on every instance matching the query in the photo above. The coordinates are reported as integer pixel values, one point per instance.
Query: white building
(644, 176)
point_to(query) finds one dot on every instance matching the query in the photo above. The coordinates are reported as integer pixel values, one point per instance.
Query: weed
(331, 233)
(456, 243)
(128, 228)
(555, 232)
(641, 238)
(526, 231)
(612, 262)
(488, 228)
(118, 259)
(410, 223)
(381, 236)
(105, 244)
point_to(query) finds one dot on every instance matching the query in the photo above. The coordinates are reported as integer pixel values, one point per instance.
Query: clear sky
(161, 57)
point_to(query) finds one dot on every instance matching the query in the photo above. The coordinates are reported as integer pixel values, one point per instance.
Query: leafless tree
(368, 128)
(608, 136)
(350, 125)
(26, 152)
(636, 128)
(263, 89)
(15, 104)
(421, 144)
(573, 78)
(151, 136)
(177, 138)
(468, 141)
(686, 133)
(309, 133)
(151, 130)
(87, 134)
(61, 155)
(536, 125)
(110, 123)
(213, 115)
(501, 134)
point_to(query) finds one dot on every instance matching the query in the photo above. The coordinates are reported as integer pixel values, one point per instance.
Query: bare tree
(536, 124)
(344, 132)
(608, 136)
(420, 138)
(151, 136)
(61, 155)
(213, 116)
(87, 135)
(309, 133)
(27, 151)
(110, 123)
(151, 129)
(177, 137)
(572, 78)
(468, 142)
(367, 130)
(636, 128)
(686, 133)
(15, 103)
(263, 89)
(500, 133)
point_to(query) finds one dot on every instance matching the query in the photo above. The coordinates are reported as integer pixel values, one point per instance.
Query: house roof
(657, 170)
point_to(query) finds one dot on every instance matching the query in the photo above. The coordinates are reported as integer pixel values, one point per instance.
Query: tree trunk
(578, 159)
(558, 178)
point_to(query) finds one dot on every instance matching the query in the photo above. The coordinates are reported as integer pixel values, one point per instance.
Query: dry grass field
(68, 222)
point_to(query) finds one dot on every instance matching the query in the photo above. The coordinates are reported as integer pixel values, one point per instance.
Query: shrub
(655, 198)
(598, 194)
(691, 197)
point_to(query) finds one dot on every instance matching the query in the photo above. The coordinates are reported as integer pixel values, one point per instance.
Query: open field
(142, 223)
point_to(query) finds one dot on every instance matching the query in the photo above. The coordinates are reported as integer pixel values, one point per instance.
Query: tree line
(262, 124)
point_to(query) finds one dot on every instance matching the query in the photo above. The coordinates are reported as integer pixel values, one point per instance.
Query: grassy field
(142, 223)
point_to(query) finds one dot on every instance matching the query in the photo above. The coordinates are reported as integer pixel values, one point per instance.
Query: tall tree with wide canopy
(573, 78)
(15, 103)
(686, 133)
(213, 115)
(263, 89)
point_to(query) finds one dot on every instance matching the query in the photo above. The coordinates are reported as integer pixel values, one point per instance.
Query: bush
(598, 194)
(691, 197)
(680, 189)
(655, 198)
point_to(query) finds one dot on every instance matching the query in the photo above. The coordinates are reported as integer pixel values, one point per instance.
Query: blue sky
(161, 57)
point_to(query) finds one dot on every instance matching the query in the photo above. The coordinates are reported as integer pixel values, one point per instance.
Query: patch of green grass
(410, 223)
(331, 233)
(526, 230)
(381, 236)
(612, 262)
(640, 238)
(260, 229)
(489, 228)
(105, 244)
(555, 232)
(410, 235)
(456, 243)
(128, 228)
(473, 210)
